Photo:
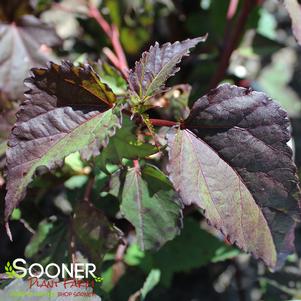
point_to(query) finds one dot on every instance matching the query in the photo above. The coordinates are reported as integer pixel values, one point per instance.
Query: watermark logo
(98, 279)
(10, 272)
(78, 271)
(73, 280)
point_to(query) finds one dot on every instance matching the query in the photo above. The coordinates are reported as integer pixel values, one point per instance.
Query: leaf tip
(202, 38)
(8, 232)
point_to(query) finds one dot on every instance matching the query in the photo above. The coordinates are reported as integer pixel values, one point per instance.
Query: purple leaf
(67, 109)
(20, 49)
(157, 65)
(94, 234)
(232, 160)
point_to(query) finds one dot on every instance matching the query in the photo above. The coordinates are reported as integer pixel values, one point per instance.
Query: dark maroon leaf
(20, 49)
(94, 234)
(52, 124)
(157, 65)
(234, 162)
(7, 119)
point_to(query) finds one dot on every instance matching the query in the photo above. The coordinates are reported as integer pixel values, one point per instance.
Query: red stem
(136, 165)
(120, 252)
(119, 50)
(111, 56)
(111, 31)
(232, 9)
(232, 41)
(162, 122)
(97, 16)
(155, 122)
(89, 189)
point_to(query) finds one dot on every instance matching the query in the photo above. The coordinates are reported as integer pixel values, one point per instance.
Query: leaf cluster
(113, 185)
(225, 157)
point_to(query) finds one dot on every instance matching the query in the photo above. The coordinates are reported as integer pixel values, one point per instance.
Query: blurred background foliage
(198, 264)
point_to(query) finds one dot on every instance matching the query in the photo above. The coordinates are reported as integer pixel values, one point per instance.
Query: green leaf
(76, 182)
(74, 162)
(153, 208)
(124, 144)
(63, 114)
(267, 24)
(16, 214)
(88, 232)
(134, 255)
(157, 65)
(114, 10)
(201, 248)
(275, 78)
(111, 76)
(134, 39)
(151, 281)
(261, 46)
(50, 242)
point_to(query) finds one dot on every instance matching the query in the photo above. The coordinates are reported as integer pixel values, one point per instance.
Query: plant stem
(89, 188)
(162, 122)
(7, 228)
(119, 50)
(232, 41)
(118, 58)
(136, 165)
(155, 122)
(120, 252)
(238, 279)
(232, 9)
(97, 16)
(71, 245)
(111, 56)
